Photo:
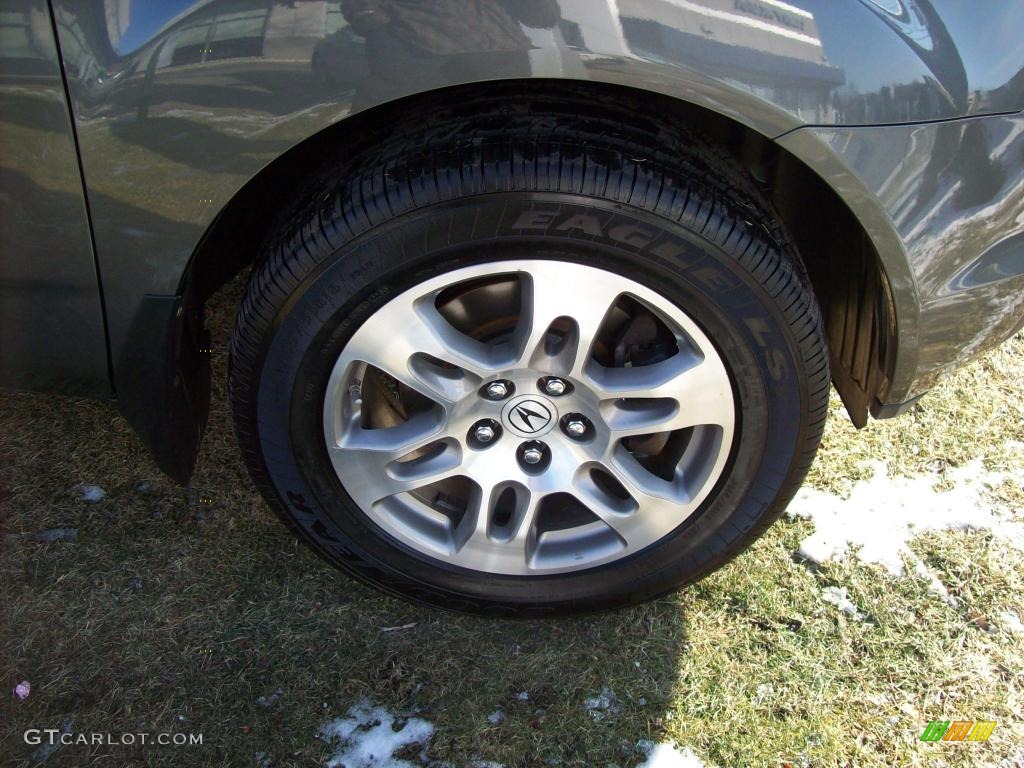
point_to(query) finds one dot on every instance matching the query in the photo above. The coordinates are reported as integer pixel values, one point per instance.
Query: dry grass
(168, 614)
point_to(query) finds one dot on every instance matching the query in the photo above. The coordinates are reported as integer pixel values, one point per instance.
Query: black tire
(461, 186)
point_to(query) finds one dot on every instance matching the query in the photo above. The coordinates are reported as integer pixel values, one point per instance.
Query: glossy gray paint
(51, 324)
(179, 104)
(946, 201)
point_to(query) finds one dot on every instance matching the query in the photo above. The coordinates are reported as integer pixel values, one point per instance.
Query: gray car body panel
(178, 105)
(51, 320)
(944, 203)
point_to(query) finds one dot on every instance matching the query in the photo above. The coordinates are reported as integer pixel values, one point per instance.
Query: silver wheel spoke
(513, 544)
(373, 458)
(621, 518)
(674, 394)
(415, 345)
(393, 442)
(560, 292)
(523, 528)
(375, 484)
(652, 493)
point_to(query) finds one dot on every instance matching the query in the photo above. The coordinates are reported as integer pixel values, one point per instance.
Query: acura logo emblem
(529, 415)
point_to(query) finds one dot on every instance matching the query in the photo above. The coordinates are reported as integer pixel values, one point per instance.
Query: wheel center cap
(529, 415)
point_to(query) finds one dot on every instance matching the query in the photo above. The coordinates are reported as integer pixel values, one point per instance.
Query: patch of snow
(48, 536)
(399, 628)
(269, 701)
(91, 493)
(764, 692)
(370, 735)
(1012, 622)
(668, 755)
(56, 534)
(485, 764)
(603, 705)
(838, 597)
(935, 586)
(523, 696)
(51, 745)
(882, 515)
(497, 717)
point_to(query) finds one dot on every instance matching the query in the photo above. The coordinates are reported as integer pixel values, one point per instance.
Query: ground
(194, 611)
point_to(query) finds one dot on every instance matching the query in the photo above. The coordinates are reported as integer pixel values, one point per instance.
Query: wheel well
(843, 265)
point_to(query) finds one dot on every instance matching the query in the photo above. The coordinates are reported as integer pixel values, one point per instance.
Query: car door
(51, 317)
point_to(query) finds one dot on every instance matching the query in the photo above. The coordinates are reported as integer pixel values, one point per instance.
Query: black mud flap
(163, 380)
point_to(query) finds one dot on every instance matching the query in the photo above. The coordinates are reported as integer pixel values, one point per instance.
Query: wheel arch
(849, 278)
(847, 274)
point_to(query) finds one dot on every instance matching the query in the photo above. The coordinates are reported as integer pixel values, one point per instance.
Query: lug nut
(575, 428)
(484, 433)
(497, 390)
(554, 387)
(533, 455)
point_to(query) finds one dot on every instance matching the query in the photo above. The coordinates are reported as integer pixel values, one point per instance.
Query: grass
(169, 613)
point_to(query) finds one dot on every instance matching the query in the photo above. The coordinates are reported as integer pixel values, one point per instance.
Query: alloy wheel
(529, 417)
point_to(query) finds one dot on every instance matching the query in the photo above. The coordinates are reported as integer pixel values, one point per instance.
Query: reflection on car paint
(178, 104)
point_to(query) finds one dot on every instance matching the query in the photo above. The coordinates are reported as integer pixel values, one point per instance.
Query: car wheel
(530, 360)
